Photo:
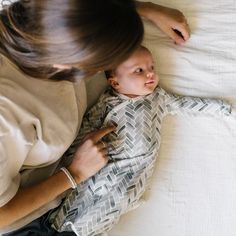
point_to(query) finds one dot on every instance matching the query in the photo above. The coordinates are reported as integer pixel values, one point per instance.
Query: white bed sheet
(193, 190)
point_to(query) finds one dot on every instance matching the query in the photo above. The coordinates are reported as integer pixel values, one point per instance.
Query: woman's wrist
(74, 174)
(145, 9)
(71, 179)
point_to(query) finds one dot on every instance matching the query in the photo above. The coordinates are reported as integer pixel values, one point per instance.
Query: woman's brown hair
(89, 35)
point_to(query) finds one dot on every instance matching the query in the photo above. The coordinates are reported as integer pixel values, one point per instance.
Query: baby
(136, 105)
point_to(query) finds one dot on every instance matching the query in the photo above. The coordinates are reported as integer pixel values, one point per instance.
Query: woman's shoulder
(6, 63)
(29, 102)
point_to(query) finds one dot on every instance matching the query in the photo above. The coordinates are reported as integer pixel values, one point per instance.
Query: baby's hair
(110, 73)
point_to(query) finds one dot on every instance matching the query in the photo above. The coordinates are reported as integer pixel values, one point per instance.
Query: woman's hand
(90, 156)
(170, 21)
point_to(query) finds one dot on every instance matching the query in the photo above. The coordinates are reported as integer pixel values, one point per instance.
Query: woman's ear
(113, 82)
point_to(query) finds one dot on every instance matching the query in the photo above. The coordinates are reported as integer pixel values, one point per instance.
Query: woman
(63, 41)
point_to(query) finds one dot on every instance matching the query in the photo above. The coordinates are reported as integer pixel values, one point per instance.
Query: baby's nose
(150, 74)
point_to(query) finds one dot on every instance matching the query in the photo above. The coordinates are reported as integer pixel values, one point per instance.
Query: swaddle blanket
(97, 204)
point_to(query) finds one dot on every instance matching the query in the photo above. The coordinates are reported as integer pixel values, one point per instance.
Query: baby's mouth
(150, 82)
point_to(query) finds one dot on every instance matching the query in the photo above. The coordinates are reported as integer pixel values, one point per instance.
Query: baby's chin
(150, 89)
(144, 93)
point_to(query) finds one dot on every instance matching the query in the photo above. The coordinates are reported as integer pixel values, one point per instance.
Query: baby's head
(135, 76)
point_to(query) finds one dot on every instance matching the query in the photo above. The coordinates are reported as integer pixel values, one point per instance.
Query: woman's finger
(104, 153)
(184, 30)
(101, 145)
(95, 136)
(176, 36)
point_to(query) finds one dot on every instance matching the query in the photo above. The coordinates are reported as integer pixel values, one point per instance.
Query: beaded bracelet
(69, 176)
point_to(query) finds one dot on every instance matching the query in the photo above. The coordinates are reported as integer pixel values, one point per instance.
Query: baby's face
(136, 76)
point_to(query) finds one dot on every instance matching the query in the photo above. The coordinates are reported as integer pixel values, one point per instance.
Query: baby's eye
(152, 68)
(138, 70)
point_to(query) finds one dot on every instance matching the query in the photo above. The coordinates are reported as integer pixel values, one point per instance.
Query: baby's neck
(131, 95)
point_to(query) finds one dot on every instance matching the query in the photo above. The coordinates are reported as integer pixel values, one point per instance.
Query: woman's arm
(170, 21)
(29, 199)
(89, 158)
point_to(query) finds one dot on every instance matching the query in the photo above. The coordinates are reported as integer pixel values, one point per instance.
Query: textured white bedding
(193, 191)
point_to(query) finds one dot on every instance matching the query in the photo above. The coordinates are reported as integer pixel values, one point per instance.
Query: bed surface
(193, 190)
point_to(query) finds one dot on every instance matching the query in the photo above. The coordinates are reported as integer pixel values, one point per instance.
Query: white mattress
(193, 190)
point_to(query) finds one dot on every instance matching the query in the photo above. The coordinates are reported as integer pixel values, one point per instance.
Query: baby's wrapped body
(97, 204)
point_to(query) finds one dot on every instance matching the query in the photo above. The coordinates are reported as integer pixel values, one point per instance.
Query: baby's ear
(113, 82)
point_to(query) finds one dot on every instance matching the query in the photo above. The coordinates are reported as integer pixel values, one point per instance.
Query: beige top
(38, 121)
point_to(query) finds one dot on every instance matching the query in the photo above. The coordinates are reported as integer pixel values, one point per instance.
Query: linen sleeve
(94, 118)
(9, 185)
(17, 137)
(9, 178)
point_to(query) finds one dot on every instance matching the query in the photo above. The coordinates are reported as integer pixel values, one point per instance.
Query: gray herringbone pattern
(96, 205)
